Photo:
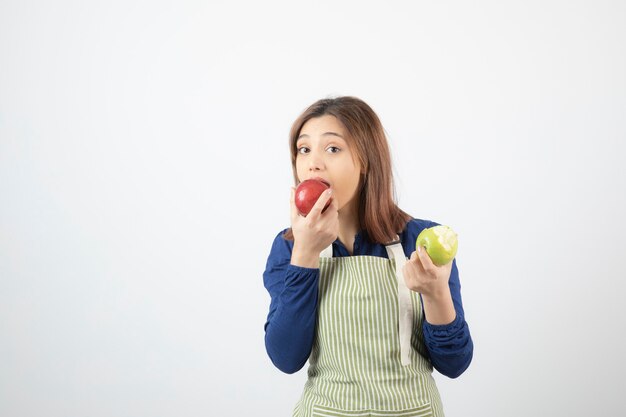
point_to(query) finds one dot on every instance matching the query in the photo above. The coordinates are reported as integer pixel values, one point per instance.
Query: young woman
(349, 291)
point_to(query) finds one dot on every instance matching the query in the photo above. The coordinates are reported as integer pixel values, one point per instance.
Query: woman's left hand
(423, 276)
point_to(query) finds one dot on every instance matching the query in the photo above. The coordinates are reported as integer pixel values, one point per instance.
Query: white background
(144, 172)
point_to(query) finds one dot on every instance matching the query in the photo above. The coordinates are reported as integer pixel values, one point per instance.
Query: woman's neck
(349, 225)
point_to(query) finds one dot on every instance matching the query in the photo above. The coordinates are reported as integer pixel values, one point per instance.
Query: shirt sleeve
(290, 325)
(450, 346)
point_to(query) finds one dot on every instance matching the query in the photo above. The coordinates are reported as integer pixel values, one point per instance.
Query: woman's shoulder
(415, 226)
(280, 252)
(282, 245)
(412, 229)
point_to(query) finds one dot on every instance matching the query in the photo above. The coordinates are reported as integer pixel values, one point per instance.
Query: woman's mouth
(323, 181)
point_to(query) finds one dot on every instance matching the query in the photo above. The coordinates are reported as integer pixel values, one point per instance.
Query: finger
(427, 263)
(334, 204)
(414, 260)
(320, 203)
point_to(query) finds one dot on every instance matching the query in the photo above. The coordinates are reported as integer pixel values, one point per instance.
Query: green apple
(440, 242)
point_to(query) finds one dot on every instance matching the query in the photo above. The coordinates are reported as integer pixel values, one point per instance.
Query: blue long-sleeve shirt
(290, 325)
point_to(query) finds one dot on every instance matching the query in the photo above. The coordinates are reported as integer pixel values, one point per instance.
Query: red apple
(307, 194)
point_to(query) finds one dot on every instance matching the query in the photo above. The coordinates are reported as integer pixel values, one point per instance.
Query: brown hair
(379, 215)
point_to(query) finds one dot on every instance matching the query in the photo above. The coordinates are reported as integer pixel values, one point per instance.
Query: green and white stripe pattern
(354, 367)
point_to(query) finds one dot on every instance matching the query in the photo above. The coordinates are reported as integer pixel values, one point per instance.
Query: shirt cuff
(296, 268)
(445, 330)
(299, 275)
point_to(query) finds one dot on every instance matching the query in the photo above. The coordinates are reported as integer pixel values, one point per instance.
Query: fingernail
(329, 191)
(419, 248)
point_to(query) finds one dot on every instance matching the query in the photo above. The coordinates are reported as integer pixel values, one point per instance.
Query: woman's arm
(450, 345)
(290, 325)
(446, 336)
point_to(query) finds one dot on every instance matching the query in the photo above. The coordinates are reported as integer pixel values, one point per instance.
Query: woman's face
(323, 153)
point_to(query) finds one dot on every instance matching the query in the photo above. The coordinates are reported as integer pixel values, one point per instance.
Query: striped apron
(361, 364)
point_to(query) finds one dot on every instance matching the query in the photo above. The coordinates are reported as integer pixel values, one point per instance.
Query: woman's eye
(303, 150)
(333, 149)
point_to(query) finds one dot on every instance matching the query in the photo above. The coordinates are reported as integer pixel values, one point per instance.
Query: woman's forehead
(326, 124)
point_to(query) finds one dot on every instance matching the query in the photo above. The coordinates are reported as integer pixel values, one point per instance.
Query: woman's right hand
(313, 233)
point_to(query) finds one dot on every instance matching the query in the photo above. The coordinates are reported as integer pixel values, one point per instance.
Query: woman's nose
(316, 162)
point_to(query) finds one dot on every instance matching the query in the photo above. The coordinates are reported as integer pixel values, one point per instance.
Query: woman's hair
(379, 215)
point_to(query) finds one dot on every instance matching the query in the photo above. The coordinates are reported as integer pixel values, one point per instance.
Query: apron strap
(405, 306)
